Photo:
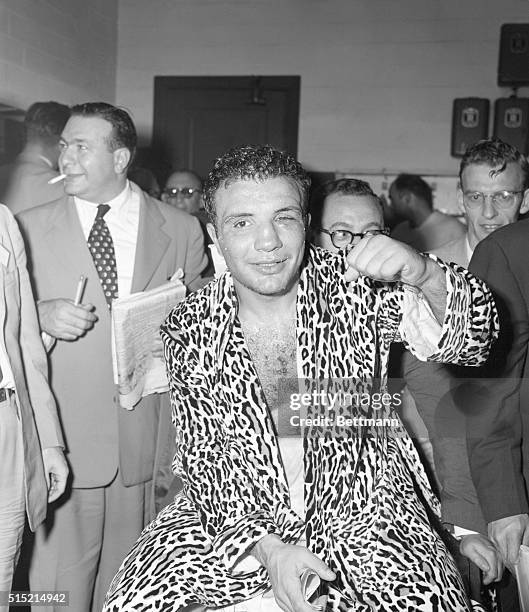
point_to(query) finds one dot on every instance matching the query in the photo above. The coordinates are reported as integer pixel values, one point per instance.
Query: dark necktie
(102, 250)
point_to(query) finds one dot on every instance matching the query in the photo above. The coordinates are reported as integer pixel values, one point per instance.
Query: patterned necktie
(102, 249)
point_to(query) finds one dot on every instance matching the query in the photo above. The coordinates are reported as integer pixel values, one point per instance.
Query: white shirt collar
(117, 204)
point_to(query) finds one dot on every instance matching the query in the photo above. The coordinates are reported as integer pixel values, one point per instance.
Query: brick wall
(378, 77)
(62, 50)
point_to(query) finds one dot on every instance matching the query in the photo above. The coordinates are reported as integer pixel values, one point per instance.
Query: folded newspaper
(139, 368)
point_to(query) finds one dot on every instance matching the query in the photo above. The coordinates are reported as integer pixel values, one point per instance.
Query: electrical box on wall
(470, 123)
(511, 122)
(513, 65)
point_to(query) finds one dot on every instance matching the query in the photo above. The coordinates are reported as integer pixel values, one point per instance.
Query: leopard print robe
(369, 527)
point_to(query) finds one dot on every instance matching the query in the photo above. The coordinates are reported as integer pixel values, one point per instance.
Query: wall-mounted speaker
(513, 65)
(511, 122)
(470, 123)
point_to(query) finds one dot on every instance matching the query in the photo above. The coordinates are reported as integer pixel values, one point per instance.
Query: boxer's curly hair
(253, 163)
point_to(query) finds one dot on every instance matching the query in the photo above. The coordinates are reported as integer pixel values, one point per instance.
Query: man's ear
(525, 202)
(406, 197)
(121, 160)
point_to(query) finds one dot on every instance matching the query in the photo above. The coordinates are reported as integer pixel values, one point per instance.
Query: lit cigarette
(56, 179)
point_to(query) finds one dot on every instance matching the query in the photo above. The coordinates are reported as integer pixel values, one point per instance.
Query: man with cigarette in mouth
(261, 503)
(122, 241)
(32, 179)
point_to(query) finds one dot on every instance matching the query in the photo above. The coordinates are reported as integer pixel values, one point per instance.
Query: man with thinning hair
(492, 192)
(499, 448)
(123, 241)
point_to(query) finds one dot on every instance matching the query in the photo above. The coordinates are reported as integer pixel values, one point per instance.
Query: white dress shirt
(7, 379)
(122, 220)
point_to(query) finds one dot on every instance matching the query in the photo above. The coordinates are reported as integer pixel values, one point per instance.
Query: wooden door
(196, 119)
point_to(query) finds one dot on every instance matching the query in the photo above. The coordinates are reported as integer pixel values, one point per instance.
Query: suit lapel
(65, 236)
(68, 244)
(151, 245)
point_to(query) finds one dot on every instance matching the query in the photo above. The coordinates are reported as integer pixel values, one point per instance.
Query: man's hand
(385, 259)
(507, 534)
(64, 320)
(56, 470)
(285, 563)
(480, 550)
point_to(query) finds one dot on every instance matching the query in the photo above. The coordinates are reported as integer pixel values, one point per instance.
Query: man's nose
(267, 238)
(66, 157)
(180, 201)
(489, 209)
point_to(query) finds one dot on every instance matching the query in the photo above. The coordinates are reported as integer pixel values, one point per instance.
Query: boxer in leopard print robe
(364, 517)
(374, 532)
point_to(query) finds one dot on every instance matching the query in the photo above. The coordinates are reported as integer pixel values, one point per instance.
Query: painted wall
(378, 77)
(62, 50)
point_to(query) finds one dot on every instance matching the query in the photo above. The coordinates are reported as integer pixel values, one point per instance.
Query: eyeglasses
(501, 199)
(341, 239)
(187, 192)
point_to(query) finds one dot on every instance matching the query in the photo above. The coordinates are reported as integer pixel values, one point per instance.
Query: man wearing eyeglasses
(491, 196)
(499, 454)
(344, 212)
(492, 180)
(184, 190)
